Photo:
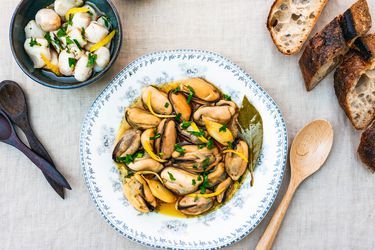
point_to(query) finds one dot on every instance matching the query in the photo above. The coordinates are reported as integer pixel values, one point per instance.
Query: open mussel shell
(204, 92)
(180, 105)
(139, 194)
(141, 119)
(235, 165)
(218, 175)
(227, 185)
(179, 181)
(159, 100)
(128, 144)
(164, 145)
(221, 113)
(191, 205)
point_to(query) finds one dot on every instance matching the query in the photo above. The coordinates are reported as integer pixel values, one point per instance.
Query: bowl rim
(91, 80)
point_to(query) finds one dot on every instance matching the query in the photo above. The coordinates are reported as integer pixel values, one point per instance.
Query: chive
(171, 177)
(185, 125)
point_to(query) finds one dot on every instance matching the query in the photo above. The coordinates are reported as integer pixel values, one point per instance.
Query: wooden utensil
(310, 149)
(8, 135)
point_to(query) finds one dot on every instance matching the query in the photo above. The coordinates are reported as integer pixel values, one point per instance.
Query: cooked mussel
(218, 175)
(225, 187)
(222, 112)
(190, 134)
(160, 192)
(203, 91)
(145, 163)
(139, 194)
(192, 205)
(158, 100)
(167, 135)
(128, 144)
(141, 119)
(235, 164)
(196, 159)
(179, 181)
(180, 105)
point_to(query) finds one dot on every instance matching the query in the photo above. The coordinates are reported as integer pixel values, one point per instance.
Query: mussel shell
(179, 181)
(128, 144)
(218, 175)
(159, 100)
(139, 195)
(204, 92)
(164, 145)
(220, 114)
(145, 164)
(191, 205)
(141, 119)
(180, 105)
(235, 166)
(227, 184)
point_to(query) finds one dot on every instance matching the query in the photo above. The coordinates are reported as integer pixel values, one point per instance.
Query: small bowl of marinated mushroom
(65, 44)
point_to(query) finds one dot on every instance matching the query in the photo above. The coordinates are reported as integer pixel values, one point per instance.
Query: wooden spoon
(8, 135)
(309, 151)
(14, 105)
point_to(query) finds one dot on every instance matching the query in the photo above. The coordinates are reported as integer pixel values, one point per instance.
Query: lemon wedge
(196, 129)
(75, 10)
(103, 42)
(54, 68)
(213, 128)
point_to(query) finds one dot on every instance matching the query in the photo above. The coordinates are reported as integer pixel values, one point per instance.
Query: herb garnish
(230, 144)
(72, 62)
(166, 105)
(227, 97)
(197, 133)
(205, 183)
(185, 125)
(191, 93)
(171, 177)
(34, 42)
(61, 32)
(223, 128)
(47, 36)
(92, 59)
(130, 158)
(155, 137)
(83, 33)
(70, 20)
(106, 21)
(193, 182)
(179, 149)
(205, 163)
(77, 43)
(200, 146)
(210, 144)
(178, 117)
(68, 41)
(176, 90)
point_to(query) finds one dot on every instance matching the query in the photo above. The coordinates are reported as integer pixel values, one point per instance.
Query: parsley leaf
(127, 159)
(210, 144)
(185, 125)
(179, 149)
(155, 136)
(77, 43)
(70, 20)
(92, 59)
(191, 93)
(171, 177)
(61, 32)
(166, 105)
(227, 97)
(205, 183)
(197, 133)
(68, 41)
(193, 182)
(176, 90)
(178, 117)
(34, 42)
(205, 163)
(223, 128)
(72, 62)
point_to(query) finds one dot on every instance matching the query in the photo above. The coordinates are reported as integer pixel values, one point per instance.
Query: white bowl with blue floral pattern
(220, 228)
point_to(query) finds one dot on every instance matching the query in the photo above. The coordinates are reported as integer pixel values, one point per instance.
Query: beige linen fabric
(335, 209)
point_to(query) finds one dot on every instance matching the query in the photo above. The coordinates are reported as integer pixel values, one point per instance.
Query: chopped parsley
(130, 158)
(70, 20)
(166, 105)
(176, 90)
(155, 137)
(197, 133)
(210, 144)
(34, 42)
(200, 146)
(223, 128)
(191, 93)
(72, 62)
(69, 41)
(195, 166)
(179, 149)
(47, 36)
(205, 163)
(178, 117)
(227, 97)
(77, 43)
(185, 125)
(205, 183)
(171, 177)
(92, 59)
(230, 144)
(61, 32)
(193, 182)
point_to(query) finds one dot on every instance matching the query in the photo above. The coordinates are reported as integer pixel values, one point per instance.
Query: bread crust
(349, 73)
(309, 29)
(366, 148)
(326, 49)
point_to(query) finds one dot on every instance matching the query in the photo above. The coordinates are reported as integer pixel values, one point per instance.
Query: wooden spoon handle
(269, 235)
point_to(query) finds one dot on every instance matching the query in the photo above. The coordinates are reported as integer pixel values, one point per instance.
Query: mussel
(179, 181)
(145, 164)
(167, 135)
(227, 187)
(128, 144)
(203, 92)
(218, 175)
(180, 105)
(141, 119)
(160, 192)
(196, 159)
(139, 194)
(235, 165)
(158, 100)
(222, 112)
(191, 205)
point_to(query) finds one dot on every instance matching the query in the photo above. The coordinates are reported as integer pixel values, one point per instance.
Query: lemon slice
(207, 195)
(152, 111)
(196, 129)
(54, 68)
(237, 153)
(75, 10)
(147, 146)
(103, 42)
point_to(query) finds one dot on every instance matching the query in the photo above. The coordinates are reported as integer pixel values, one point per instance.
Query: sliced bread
(327, 48)
(366, 149)
(290, 23)
(355, 84)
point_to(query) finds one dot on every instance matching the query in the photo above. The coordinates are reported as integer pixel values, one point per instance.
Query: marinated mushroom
(103, 55)
(35, 48)
(67, 63)
(32, 29)
(95, 32)
(48, 19)
(83, 69)
(62, 6)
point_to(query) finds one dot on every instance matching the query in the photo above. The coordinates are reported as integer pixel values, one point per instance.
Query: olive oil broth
(162, 207)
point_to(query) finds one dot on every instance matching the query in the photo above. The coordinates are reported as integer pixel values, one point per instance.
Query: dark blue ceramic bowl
(25, 12)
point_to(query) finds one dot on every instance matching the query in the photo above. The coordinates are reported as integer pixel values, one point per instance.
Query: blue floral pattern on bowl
(217, 229)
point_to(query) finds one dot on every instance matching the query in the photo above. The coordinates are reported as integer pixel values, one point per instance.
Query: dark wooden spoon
(8, 135)
(13, 103)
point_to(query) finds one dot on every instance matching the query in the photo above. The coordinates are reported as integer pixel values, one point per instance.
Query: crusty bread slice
(291, 21)
(327, 48)
(366, 149)
(355, 85)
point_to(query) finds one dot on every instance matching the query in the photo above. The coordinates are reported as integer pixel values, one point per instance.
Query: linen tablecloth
(335, 209)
